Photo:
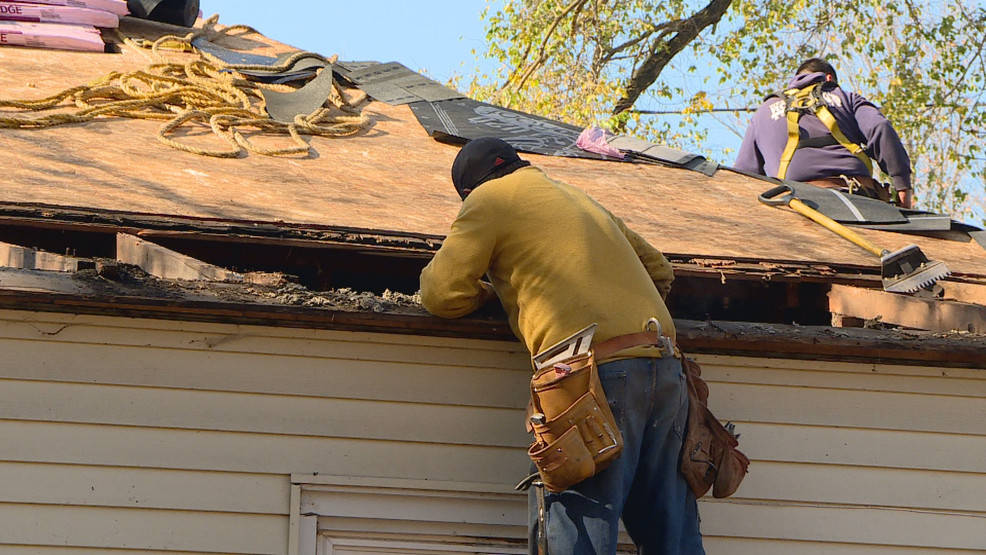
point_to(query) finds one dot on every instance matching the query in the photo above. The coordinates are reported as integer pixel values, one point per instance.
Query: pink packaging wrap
(593, 139)
(85, 38)
(39, 13)
(118, 7)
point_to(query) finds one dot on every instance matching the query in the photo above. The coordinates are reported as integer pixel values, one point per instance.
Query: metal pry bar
(908, 270)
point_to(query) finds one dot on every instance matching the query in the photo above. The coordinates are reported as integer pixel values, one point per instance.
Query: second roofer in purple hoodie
(820, 159)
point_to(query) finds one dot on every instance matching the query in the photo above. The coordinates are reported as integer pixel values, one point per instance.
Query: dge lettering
(13, 10)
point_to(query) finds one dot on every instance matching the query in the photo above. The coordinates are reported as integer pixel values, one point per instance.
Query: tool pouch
(709, 455)
(575, 434)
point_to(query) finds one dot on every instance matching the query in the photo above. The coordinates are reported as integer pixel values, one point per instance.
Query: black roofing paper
(846, 208)
(641, 149)
(466, 119)
(875, 214)
(234, 57)
(393, 83)
(861, 211)
(304, 68)
(933, 225)
(283, 107)
(445, 113)
(979, 237)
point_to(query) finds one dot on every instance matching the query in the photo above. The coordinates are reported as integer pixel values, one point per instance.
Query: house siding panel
(111, 528)
(138, 488)
(153, 437)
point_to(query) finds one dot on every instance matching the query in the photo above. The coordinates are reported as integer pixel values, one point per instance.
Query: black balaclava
(481, 160)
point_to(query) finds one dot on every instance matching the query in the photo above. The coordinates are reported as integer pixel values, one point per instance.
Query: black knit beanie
(481, 160)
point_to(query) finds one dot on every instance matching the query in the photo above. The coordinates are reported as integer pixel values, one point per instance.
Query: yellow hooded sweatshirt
(557, 260)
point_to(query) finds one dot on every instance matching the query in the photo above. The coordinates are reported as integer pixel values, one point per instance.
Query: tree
(613, 62)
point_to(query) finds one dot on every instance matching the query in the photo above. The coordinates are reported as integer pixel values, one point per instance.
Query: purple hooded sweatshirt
(858, 119)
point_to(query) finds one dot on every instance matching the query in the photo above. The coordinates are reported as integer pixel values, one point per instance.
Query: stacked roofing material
(61, 24)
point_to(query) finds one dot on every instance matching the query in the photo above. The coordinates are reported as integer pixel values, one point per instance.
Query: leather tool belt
(613, 345)
(858, 185)
(709, 455)
(575, 433)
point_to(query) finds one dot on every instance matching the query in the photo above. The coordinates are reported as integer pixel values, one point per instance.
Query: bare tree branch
(662, 53)
(610, 53)
(544, 43)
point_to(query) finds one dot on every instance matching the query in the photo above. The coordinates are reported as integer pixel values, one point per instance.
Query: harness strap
(817, 142)
(793, 136)
(828, 119)
(799, 102)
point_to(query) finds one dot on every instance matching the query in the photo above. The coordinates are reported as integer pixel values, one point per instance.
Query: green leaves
(922, 61)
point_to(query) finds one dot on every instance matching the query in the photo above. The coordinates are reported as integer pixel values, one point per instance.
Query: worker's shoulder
(529, 189)
(524, 174)
(518, 181)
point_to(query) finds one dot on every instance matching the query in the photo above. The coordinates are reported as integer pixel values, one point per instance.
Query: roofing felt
(392, 177)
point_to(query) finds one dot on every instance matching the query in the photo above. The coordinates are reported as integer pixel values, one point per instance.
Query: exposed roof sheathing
(393, 177)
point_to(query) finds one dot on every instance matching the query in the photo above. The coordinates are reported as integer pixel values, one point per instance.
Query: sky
(434, 36)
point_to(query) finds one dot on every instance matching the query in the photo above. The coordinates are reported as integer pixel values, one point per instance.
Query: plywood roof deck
(392, 178)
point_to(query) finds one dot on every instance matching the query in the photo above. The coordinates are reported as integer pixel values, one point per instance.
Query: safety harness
(810, 100)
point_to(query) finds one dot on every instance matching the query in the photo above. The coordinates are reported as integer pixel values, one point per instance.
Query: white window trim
(496, 509)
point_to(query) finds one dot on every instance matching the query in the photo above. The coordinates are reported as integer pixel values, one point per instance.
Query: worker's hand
(488, 292)
(904, 198)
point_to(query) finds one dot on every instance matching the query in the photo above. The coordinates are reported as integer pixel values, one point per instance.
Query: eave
(57, 292)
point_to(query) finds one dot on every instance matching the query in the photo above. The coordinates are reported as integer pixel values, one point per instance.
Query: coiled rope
(205, 90)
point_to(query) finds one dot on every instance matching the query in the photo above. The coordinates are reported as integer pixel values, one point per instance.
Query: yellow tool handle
(834, 226)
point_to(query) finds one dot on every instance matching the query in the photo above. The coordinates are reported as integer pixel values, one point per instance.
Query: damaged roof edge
(417, 245)
(723, 338)
(158, 225)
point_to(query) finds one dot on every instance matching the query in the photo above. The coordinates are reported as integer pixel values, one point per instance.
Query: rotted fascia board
(961, 287)
(769, 270)
(836, 344)
(931, 314)
(967, 292)
(156, 226)
(165, 263)
(367, 241)
(55, 292)
(27, 258)
(161, 225)
(405, 244)
(31, 291)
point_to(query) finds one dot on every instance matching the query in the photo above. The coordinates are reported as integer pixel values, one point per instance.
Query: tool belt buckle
(663, 341)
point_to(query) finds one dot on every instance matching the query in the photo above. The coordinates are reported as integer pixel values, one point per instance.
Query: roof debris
(719, 263)
(131, 280)
(341, 299)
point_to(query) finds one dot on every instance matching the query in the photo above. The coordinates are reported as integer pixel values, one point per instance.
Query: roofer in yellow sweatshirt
(558, 261)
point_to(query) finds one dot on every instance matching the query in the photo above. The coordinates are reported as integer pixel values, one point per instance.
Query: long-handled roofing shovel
(904, 271)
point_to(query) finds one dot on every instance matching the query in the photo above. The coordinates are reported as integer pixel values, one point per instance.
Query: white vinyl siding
(851, 458)
(150, 437)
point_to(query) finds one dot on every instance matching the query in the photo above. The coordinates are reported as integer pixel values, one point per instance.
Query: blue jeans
(649, 399)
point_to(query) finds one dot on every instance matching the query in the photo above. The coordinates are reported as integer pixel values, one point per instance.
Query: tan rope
(205, 91)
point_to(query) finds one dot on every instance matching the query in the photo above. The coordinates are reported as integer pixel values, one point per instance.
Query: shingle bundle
(61, 24)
